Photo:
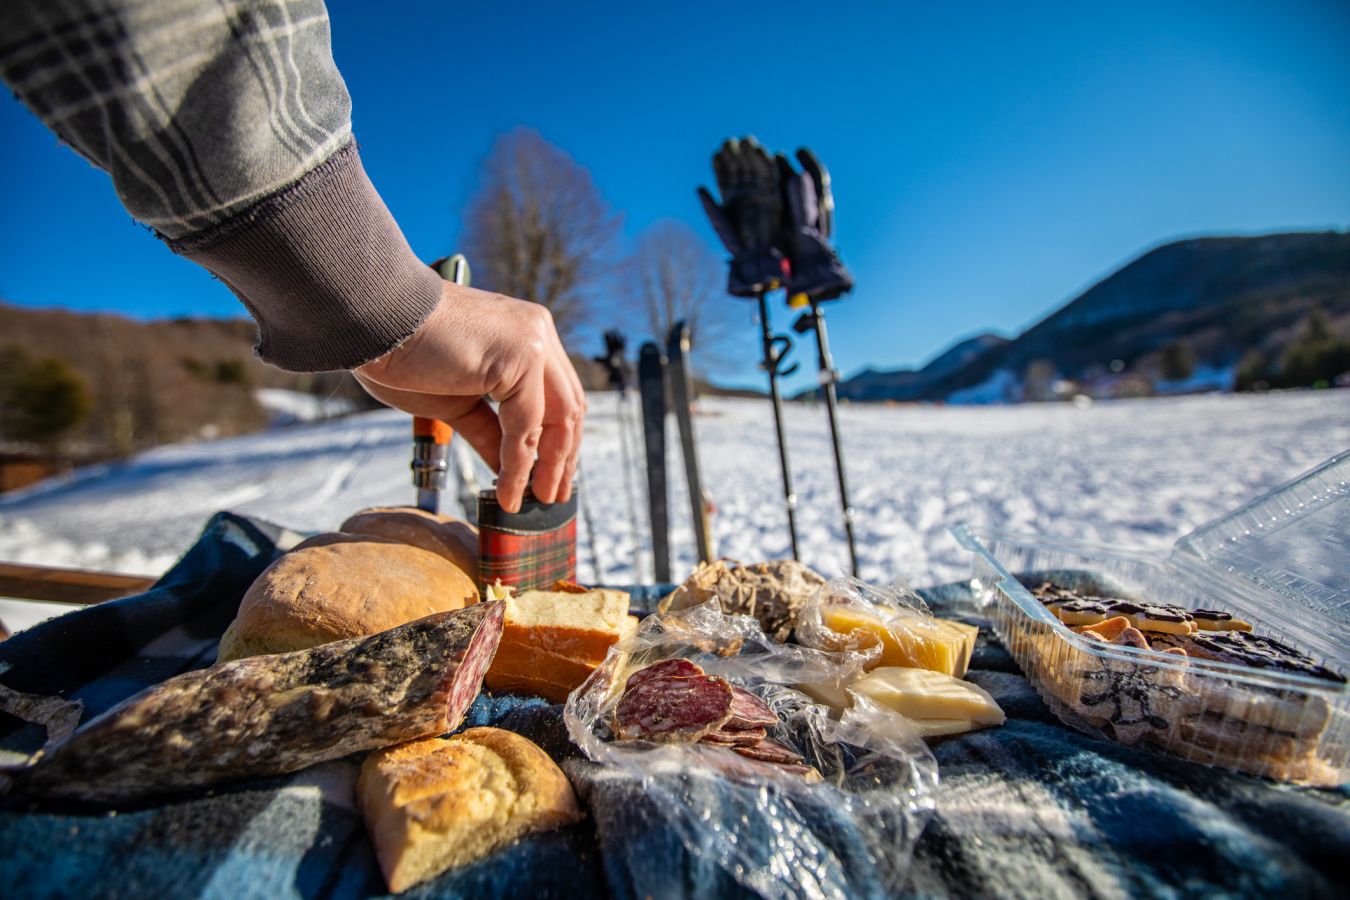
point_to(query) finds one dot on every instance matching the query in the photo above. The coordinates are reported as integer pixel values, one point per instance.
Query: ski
(652, 388)
(681, 391)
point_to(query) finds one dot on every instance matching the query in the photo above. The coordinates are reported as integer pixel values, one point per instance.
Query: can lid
(1291, 544)
(534, 515)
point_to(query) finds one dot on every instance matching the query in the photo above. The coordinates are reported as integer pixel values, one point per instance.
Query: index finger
(522, 420)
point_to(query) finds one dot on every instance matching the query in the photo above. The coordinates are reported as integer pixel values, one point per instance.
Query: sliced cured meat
(673, 709)
(728, 736)
(266, 715)
(769, 750)
(748, 711)
(676, 667)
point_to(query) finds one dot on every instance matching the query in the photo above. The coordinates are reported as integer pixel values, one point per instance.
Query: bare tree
(673, 275)
(538, 228)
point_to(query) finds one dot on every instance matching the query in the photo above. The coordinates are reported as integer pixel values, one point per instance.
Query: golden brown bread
(446, 536)
(436, 804)
(552, 641)
(337, 586)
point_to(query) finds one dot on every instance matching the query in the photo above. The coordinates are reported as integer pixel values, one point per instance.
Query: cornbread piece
(440, 803)
(553, 641)
(279, 713)
(923, 694)
(772, 592)
(923, 642)
(1216, 620)
(452, 539)
(673, 709)
(338, 586)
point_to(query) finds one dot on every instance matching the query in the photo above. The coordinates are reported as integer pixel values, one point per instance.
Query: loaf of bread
(553, 640)
(337, 586)
(446, 536)
(436, 804)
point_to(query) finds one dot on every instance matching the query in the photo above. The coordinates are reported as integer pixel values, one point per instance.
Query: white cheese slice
(924, 694)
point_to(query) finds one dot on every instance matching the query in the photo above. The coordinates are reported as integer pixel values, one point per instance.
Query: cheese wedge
(942, 727)
(916, 641)
(835, 696)
(921, 695)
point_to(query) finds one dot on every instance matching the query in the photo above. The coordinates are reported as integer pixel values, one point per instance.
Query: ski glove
(817, 272)
(748, 220)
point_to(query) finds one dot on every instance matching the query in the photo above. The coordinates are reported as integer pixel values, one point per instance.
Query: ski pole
(815, 319)
(597, 570)
(629, 491)
(775, 349)
(652, 390)
(681, 388)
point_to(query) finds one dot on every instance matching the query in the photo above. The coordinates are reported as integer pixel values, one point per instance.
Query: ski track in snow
(1137, 473)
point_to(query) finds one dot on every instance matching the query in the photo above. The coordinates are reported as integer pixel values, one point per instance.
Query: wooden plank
(67, 585)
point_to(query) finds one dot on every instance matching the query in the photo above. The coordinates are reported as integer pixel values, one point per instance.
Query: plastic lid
(1292, 543)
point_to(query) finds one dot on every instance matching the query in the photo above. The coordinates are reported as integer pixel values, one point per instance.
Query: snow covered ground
(1130, 472)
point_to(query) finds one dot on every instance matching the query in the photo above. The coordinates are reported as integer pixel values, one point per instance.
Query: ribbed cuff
(323, 268)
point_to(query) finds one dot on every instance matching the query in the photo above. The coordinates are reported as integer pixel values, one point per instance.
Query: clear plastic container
(1282, 563)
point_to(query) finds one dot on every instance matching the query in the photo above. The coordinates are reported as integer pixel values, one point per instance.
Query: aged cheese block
(909, 640)
(921, 695)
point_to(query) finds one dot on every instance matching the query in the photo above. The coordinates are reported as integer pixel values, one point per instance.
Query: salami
(673, 709)
(748, 711)
(677, 667)
(769, 750)
(267, 715)
(730, 737)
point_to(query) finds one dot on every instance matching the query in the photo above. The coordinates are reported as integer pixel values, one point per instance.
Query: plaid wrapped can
(533, 548)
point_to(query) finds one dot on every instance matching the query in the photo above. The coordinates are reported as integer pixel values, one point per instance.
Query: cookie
(1157, 617)
(1216, 620)
(1247, 649)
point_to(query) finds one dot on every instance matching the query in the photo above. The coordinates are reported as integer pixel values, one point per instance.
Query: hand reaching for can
(477, 346)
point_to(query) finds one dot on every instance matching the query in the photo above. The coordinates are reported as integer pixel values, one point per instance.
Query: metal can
(533, 548)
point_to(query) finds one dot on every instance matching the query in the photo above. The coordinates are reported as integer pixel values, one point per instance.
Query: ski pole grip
(432, 429)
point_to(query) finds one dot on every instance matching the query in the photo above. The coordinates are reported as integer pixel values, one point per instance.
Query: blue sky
(990, 160)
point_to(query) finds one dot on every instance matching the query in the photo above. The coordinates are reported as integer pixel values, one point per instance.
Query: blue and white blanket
(1030, 809)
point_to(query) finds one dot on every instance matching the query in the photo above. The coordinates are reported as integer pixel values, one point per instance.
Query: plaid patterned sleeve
(226, 128)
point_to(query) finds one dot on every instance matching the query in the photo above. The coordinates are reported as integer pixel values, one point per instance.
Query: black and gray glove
(749, 218)
(816, 271)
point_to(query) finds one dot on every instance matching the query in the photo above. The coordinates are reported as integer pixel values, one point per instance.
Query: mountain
(157, 381)
(1224, 300)
(909, 384)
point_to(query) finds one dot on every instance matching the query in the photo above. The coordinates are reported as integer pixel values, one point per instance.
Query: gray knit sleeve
(226, 128)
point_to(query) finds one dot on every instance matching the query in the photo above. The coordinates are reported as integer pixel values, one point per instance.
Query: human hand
(477, 345)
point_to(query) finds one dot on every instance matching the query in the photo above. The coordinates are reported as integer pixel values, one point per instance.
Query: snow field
(1139, 473)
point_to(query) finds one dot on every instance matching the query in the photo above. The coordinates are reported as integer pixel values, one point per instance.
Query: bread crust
(337, 586)
(440, 803)
(452, 539)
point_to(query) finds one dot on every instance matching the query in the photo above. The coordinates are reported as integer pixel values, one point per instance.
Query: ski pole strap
(530, 549)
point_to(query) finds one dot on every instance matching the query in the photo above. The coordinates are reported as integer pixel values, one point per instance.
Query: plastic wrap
(897, 606)
(762, 827)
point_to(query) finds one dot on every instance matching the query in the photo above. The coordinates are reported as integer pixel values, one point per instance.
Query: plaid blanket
(1028, 809)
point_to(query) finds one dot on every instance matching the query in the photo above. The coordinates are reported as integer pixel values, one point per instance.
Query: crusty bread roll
(336, 586)
(436, 804)
(552, 640)
(446, 536)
